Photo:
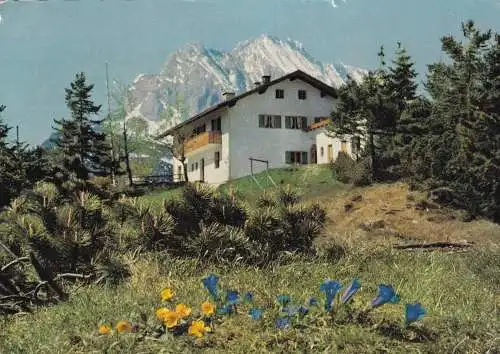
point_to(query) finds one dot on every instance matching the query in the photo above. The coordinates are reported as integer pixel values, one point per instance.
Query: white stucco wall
(211, 174)
(248, 140)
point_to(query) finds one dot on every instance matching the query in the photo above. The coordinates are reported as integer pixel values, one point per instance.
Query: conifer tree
(81, 140)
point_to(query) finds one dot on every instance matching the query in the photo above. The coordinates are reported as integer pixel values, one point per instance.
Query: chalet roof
(325, 89)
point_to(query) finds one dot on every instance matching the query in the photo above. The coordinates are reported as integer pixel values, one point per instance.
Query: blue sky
(43, 44)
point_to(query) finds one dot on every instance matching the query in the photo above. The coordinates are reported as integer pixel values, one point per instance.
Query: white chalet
(281, 121)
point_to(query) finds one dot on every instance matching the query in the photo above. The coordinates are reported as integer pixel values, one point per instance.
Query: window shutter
(287, 122)
(277, 122)
(261, 121)
(303, 160)
(288, 157)
(304, 122)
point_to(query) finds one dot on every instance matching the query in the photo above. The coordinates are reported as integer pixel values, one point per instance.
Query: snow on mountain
(200, 75)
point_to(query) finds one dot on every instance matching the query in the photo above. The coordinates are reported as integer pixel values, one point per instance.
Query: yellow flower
(161, 313)
(207, 308)
(104, 329)
(170, 319)
(124, 327)
(198, 329)
(167, 294)
(182, 310)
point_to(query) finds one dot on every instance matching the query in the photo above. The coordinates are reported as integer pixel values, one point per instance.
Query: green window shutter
(303, 159)
(288, 123)
(261, 121)
(277, 122)
(288, 157)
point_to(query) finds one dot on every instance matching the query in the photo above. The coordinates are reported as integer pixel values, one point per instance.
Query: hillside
(459, 290)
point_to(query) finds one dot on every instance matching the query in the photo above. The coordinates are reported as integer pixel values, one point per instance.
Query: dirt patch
(404, 218)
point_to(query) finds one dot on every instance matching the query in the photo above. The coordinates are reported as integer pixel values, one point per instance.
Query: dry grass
(395, 205)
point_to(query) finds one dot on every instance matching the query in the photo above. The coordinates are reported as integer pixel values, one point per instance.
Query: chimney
(228, 95)
(266, 79)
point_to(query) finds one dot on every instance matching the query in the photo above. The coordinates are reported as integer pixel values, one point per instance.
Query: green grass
(309, 181)
(462, 305)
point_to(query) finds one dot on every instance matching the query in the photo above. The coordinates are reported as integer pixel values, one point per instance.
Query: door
(343, 146)
(202, 170)
(330, 153)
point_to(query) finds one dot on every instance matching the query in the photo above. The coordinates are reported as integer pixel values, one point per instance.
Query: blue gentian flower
(282, 323)
(290, 310)
(330, 288)
(232, 297)
(414, 312)
(255, 313)
(313, 301)
(386, 294)
(303, 311)
(210, 283)
(224, 310)
(283, 300)
(248, 297)
(350, 291)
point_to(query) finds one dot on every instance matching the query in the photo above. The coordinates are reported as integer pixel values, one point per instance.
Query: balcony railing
(203, 139)
(320, 124)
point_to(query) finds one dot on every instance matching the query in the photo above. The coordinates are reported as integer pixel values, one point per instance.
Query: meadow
(459, 288)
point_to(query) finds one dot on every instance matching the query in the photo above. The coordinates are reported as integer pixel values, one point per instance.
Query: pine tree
(85, 148)
(464, 129)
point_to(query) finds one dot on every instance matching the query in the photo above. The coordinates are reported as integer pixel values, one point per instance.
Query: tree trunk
(127, 160)
(184, 167)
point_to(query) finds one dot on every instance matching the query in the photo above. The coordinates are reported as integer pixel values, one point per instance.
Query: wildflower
(198, 329)
(167, 294)
(350, 291)
(124, 327)
(210, 283)
(282, 323)
(232, 297)
(207, 308)
(104, 329)
(224, 310)
(414, 312)
(386, 294)
(248, 298)
(161, 313)
(182, 310)
(283, 300)
(290, 310)
(330, 288)
(171, 319)
(313, 301)
(303, 311)
(255, 313)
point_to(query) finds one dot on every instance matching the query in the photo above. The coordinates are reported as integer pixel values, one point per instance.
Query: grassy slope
(460, 290)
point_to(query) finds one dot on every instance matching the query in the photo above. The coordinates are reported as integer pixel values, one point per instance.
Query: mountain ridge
(199, 75)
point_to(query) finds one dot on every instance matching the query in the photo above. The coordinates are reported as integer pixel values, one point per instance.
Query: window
(269, 121)
(355, 145)
(302, 94)
(217, 159)
(318, 119)
(293, 122)
(322, 151)
(199, 130)
(216, 125)
(297, 157)
(280, 93)
(196, 165)
(192, 167)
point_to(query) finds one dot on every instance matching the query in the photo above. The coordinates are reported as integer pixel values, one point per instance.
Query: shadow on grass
(411, 334)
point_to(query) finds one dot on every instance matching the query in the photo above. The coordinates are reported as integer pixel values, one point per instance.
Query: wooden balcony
(201, 140)
(320, 124)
